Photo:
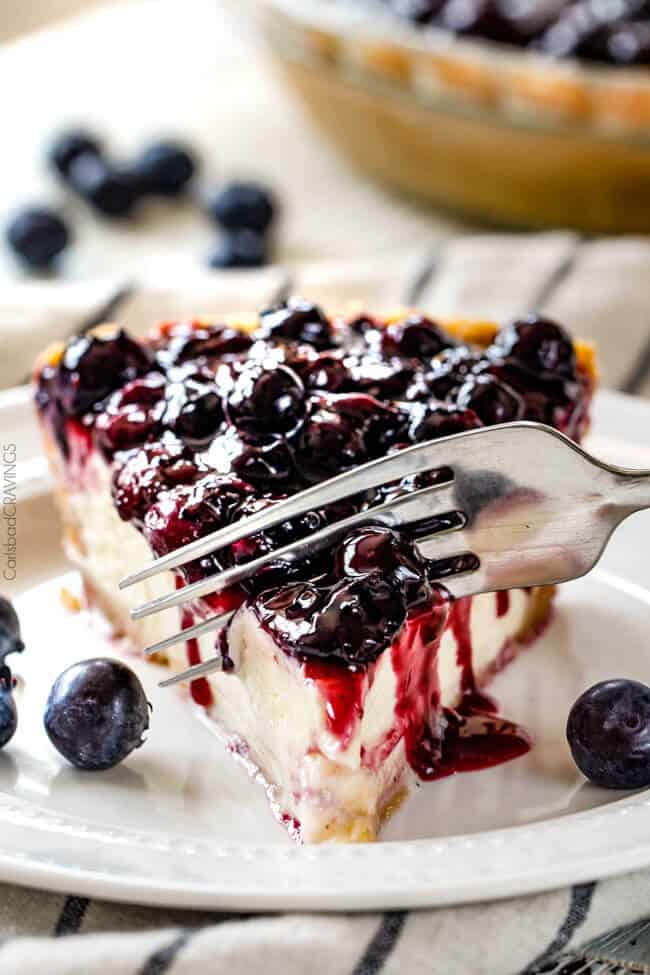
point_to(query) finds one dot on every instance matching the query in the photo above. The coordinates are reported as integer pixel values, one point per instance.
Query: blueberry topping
(415, 337)
(378, 578)
(299, 321)
(330, 442)
(38, 236)
(240, 249)
(69, 145)
(267, 401)
(93, 365)
(538, 345)
(609, 734)
(205, 425)
(431, 422)
(243, 206)
(491, 400)
(447, 374)
(193, 410)
(97, 714)
(163, 169)
(264, 460)
(111, 192)
(200, 341)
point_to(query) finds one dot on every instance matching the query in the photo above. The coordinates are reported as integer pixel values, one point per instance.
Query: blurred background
(469, 178)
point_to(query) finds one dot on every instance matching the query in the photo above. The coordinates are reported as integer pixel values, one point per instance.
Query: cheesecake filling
(345, 671)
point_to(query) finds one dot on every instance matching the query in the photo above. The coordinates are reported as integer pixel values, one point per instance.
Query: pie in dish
(532, 114)
(344, 673)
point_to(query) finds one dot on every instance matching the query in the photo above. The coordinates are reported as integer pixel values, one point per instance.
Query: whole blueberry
(110, 191)
(10, 638)
(491, 400)
(297, 320)
(164, 169)
(97, 713)
(8, 712)
(70, 144)
(609, 734)
(240, 249)
(538, 345)
(267, 401)
(243, 206)
(38, 236)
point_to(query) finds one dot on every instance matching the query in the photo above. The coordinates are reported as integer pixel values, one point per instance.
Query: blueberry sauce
(503, 603)
(204, 425)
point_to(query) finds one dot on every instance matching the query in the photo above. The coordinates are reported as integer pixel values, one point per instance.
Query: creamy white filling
(267, 708)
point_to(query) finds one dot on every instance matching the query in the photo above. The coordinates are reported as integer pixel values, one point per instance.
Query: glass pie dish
(504, 134)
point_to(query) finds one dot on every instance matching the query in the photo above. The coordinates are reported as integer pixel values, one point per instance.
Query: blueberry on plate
(240, 249)
(8, 712)
(243, 206)
(609, 734)
(97, 713)
(163, 169)
(10, 639)
(70, 144)
(38, 236)
(110, 191)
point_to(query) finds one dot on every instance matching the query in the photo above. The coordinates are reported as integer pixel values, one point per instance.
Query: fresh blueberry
(97, 713)
(240, 249)
(8, 712)
(38, 236)
(243, 206)
(163, 169)
(111, 192)
(68, 145)
(609, 734)
(10, 638)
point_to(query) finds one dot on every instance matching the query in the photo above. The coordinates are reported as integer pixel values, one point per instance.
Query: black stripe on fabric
(71, 917)
(382, 945)
(162, 960)
(422, 277)
(581, 898)
(639, 371)
(548, 287)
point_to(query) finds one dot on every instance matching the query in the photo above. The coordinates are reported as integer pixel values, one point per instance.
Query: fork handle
(631, 491)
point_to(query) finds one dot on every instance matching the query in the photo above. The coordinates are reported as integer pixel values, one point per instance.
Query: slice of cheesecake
(344, 674)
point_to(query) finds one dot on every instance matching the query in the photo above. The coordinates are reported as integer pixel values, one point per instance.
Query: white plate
(180, 824)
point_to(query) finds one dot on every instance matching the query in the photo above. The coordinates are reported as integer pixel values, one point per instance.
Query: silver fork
(532, 508)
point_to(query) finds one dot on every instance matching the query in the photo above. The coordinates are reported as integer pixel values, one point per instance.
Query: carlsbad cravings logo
(9, 503)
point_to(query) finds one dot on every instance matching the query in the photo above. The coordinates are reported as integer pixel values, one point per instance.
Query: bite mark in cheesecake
(345, 672)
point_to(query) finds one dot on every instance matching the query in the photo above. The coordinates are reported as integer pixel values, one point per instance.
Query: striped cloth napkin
(601, 291)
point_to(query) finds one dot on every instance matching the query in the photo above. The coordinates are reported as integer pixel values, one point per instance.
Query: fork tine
(198, 670)
(412, 460)
(214, 623)
(386, 514)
